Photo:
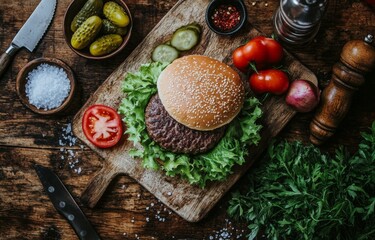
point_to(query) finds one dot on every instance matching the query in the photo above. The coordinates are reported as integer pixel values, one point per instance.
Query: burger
(189, 118)
(197, 97)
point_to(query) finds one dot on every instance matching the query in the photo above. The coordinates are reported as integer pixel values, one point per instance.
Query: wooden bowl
(22, 80)
(74, 7)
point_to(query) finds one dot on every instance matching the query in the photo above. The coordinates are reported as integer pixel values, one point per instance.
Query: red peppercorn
(226, 17)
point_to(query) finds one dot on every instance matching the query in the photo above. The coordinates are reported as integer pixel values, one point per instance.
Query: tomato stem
(264, 98)
(281, 68)
(253, 67)
(274, 37)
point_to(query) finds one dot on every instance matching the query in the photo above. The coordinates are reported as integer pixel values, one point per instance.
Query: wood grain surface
(127, 210)
(190, 202)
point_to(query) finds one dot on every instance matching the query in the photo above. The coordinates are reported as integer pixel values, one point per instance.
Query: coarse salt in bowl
(46, 85)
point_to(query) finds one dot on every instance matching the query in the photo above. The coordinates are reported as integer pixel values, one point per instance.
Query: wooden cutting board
(190, 202)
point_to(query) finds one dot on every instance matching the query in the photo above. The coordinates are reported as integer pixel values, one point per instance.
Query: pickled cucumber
(109, 28)
(193, 26)
(86, 33)
(185, 39)
(116, 14)
(91, 7)
(164, 53)
(105, 44)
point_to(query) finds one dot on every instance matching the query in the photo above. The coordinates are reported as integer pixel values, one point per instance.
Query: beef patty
(174, 136)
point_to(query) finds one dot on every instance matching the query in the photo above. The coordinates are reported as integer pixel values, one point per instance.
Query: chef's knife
(31, 32)
(64, 203)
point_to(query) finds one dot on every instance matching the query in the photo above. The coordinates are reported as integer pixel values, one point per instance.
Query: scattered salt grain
(47, 86)
(228, 232)
(67, 139)
(157, 212)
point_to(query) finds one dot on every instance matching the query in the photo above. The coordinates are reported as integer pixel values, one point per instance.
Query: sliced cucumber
(194, 26)
(184, 39)
(164, 53)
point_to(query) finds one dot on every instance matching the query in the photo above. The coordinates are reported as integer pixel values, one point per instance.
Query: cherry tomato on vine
(275, 51)
(261, 52)
(239, 60)
(255, 51)
(269, 81)
(102, 126)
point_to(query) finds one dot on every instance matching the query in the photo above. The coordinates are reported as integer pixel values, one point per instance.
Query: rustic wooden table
(127, 211)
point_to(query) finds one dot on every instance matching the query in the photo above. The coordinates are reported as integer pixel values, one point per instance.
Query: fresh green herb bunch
(215, 165)
(301, 193)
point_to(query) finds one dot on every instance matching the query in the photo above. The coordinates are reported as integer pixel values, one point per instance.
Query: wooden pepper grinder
(357, 58)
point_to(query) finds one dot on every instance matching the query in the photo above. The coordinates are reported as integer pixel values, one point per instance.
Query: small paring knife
(64, 203)
(31, 32)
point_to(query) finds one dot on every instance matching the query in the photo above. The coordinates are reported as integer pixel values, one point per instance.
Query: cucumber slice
(194, 26)
(164, 53)
(184, 39)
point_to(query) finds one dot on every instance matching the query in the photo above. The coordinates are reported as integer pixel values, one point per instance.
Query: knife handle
(6, 57)
(79, 222)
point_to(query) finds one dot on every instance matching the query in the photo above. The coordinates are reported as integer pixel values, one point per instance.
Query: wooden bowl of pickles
(97, 29)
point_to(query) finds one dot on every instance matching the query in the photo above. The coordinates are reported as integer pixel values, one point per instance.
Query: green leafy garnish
(298, 192)
(211, 166)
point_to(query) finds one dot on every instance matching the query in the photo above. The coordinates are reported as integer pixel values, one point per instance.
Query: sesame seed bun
(200, 92)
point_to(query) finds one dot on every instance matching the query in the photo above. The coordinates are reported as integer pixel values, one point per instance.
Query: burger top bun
(200, 92)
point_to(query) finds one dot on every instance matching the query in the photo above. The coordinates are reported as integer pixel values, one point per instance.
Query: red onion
(303, 95)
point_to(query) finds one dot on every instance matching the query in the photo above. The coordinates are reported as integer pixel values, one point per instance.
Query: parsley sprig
(298, 192)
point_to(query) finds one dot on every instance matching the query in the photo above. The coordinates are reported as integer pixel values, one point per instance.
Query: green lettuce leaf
(212, 166)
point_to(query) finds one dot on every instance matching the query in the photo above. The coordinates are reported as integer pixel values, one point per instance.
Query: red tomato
(239, 60)
(275, 51)
(269, 81)
(261, 51)
(102, 126)
(255, 51)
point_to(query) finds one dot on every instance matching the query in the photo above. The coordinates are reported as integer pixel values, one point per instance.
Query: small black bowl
(239, 4)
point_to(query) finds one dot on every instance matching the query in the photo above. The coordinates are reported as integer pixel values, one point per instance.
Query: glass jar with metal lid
(296, 22)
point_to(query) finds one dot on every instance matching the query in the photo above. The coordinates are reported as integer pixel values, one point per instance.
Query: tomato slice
(102, 126)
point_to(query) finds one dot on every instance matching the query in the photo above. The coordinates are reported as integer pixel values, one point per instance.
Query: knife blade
(31, 32)
(64, 203)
